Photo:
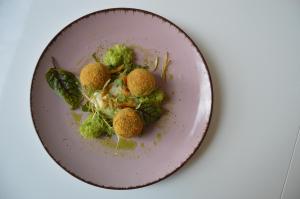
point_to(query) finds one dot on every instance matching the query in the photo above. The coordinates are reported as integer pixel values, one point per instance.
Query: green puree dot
(124, 144)
(158, 136)
(127, 144)
(76, 117)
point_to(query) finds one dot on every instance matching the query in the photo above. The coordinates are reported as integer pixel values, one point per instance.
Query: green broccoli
(117, 55)
(95, 126)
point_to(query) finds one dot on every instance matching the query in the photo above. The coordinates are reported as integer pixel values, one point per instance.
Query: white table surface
(253, 52)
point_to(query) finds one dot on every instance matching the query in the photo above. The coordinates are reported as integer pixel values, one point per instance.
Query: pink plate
(166, 145)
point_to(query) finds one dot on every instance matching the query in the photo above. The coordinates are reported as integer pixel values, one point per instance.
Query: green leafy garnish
(95, 57)
(118, 82)
(94, 126)
(156, 98)
(117, 55)
(87, 107)
(66, 85)
(108, 112)
(150, 113)
(150, 106)
(121, 98)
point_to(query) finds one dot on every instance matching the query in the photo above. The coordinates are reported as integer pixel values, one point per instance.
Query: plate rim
(125, 9)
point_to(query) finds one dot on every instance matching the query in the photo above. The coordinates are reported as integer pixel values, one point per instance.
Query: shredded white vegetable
(165, 67)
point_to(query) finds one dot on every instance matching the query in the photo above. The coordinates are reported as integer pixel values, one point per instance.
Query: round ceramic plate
(166, 145)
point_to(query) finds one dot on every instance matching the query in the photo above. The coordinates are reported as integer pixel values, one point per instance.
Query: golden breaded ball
(127, 123)
(140, 82)
(94, 76)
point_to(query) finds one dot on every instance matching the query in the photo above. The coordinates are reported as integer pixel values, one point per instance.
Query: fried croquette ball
(127, 123)
(140, 82)
(94, 76)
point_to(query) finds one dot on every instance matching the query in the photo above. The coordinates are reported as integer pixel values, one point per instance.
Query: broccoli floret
(117, 55)
(94, 126)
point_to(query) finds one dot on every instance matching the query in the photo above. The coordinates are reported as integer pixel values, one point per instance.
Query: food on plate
(117, 55)
(93, 76)
(66, 85)
(127, 123)
(119, 96)
(141, 82)
(166, 63)
(94, 126)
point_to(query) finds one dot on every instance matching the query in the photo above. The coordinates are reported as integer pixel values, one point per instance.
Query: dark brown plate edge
(134, 10)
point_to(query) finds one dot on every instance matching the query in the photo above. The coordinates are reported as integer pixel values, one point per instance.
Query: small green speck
(108, 142)
(142, 145)
(127, 144)
(124, 144)
(76, 117)
(158, 136)
(171, 77)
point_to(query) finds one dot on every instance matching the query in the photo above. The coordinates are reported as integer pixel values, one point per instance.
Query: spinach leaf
(66, 85)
